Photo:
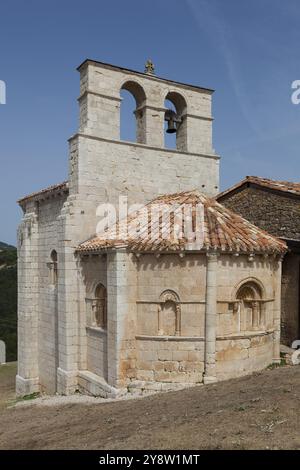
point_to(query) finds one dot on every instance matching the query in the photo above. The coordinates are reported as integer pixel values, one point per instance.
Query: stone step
(95, 385)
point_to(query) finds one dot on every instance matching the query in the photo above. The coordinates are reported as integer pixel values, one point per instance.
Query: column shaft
(210, 318)
(277, 314)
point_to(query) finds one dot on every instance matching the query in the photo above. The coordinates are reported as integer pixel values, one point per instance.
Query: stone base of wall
(92, 384)
(238, 357)
(207, 379)
(66, 382)
(163, 359)
(26, 386)
(158, 386)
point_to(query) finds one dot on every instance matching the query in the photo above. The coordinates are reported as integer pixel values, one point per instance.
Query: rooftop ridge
(284, 186)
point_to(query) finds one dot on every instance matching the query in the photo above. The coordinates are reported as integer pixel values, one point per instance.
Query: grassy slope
(7, 384)
(8, 299)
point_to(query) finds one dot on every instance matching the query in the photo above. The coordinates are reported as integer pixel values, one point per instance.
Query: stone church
(110, 311)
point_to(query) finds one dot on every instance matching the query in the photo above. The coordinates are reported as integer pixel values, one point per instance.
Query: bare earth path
(257, 412)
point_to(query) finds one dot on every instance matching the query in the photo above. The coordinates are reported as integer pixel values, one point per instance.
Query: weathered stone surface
(278, 214)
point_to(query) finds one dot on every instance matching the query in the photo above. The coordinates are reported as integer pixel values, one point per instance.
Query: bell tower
(99, 101)
(102, 166)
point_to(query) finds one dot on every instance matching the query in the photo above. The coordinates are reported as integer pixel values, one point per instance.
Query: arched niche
(169, 314)
(248, 306)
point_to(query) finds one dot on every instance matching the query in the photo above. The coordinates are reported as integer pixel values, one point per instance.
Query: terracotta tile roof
(216, 228)
(45, 192)
(285, 186)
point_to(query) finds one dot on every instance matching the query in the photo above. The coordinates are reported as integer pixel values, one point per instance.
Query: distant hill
(8, 299)
(4, 246)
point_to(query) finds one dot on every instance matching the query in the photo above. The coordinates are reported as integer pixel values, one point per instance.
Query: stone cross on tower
(149, 67)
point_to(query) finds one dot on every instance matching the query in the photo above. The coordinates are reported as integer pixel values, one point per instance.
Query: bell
(171, 118)
(171, 127)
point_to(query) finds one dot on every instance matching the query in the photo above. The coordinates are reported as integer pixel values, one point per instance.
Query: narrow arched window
(175, 122)
(249, 297)
(132, 117)
(53, 268)
(169, 318)
(99, 318)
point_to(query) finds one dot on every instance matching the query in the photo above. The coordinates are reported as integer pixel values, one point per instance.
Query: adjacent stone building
(274, 206)
(106, 311)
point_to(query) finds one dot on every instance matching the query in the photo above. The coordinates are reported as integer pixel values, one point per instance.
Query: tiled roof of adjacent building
(285, 186)
(46, 192)
(216, 228)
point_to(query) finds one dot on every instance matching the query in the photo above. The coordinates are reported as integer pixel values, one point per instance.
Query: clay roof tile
(216, 228)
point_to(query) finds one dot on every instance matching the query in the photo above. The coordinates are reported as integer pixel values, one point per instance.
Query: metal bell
(172, 120)
(171, 127)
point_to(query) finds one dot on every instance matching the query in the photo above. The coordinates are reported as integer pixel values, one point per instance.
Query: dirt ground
(261, 411)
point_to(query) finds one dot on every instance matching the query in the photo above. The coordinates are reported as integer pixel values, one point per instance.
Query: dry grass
(7, 383)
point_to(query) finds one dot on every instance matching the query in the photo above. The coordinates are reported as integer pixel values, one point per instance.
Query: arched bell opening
(175, 122)
(132, 113)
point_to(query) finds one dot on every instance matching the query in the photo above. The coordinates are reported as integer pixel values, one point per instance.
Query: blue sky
(247, 51)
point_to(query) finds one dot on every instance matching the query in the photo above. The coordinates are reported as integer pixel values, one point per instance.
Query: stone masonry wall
(275, 213)
(27, 380)
(112, 168)
(241, 352)
(172, 360)
(161, 357)
(290, 298)
(49, 223)
(164, 358)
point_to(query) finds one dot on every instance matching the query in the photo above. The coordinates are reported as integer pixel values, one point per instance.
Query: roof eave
(101, 250)
(254, 182)
(60, 189)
